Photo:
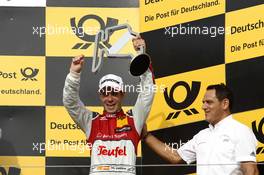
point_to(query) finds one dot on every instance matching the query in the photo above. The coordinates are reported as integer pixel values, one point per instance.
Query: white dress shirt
(219, 149)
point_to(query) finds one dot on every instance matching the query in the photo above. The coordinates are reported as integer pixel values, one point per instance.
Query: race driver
(114, 134)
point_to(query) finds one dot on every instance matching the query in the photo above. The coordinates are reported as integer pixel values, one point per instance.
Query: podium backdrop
(192, 43)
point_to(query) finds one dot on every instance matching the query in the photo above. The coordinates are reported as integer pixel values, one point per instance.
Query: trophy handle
(98, 52)
(141, 50)
(112, 29)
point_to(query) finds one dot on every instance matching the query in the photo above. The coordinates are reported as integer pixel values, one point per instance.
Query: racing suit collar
(119, 114)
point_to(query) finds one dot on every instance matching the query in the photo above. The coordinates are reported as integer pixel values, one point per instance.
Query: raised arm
(145, 97)
(71, 100)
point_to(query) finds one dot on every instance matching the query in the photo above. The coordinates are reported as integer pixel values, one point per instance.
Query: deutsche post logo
(85, 35)
(258, 131)
(192, 93)
(29, 74)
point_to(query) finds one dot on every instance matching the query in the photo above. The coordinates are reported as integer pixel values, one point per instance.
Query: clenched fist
(77, 64)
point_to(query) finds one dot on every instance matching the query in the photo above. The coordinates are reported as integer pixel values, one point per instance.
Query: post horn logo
(29, 73)
(192, 93)
(11, 171)
(258, 131)
(88, 38)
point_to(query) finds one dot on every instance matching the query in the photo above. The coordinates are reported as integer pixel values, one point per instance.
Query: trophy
(138, 64)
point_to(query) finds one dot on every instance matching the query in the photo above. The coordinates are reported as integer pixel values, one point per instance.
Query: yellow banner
(71, 31)
(156, 14)
(22, 80)
(244, 37)
(23, 164)
(255, 120)
(184, 96)
(63, 137)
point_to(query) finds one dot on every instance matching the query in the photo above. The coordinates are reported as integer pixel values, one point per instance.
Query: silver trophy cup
(138, 64)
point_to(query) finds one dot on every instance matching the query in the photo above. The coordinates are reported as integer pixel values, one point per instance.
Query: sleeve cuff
(246, 159)
(183, 157)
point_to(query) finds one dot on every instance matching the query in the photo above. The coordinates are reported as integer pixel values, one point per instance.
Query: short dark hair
(222, 92)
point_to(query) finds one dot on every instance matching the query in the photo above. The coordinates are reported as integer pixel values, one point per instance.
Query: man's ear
(225, 104)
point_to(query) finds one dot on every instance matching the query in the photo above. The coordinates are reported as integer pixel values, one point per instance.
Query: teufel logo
(259, 134)
(12, 171)
(29, 73)
(102, 150)
(192, 93)
(89, 38)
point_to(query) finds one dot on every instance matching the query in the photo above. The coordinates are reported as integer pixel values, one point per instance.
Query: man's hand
(137, 42)
(77, 64)
(144, 132)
